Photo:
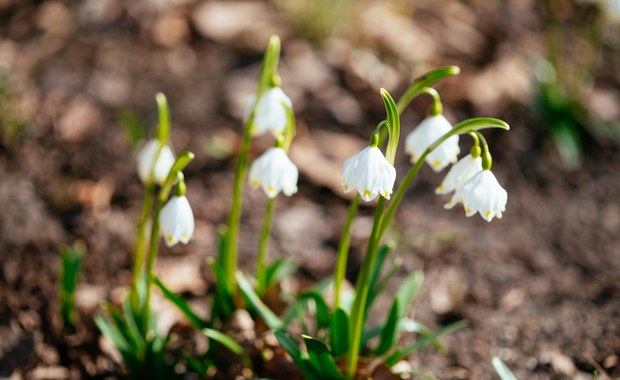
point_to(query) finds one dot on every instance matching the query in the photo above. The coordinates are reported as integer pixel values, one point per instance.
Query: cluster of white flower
(371, 174)
(176, 218)
(273, 170)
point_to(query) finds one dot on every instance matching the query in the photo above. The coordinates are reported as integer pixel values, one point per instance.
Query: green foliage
(72, 258)
(143, 352)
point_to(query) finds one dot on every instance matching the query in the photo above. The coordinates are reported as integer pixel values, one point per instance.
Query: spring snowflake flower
(154, 166)
(176, 221)
(483, 194)
(270, 114)
(429, 131)
(370, 173)
(274, 172)
(458, 175)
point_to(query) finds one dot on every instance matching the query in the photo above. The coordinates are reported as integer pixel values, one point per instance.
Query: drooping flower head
(274, 172)
(458, 175)
(483, 194)
(429, 131)
(176, 221)
(154, 163)
(368, 172)
(270, 114)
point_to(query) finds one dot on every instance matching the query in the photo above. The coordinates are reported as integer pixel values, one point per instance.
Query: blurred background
(541, 287)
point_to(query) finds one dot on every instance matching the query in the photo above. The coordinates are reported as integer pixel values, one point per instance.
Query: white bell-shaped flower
(368, 172)
(270, 114)
(429, 131)
(483, 194)
(274, 172)
(176, 221)
(154, 166)
(458, 175)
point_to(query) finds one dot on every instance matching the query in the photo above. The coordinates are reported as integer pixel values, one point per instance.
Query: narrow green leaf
(321, 308)
(132, 325)
(163, 132)
(406, 351)
(502, 369)
(292, 348)
(111, 332)
(229, 343)
(223, 299)
(268, 316)
(321, 359)
(376, 272)
(389, 333)
(382, 283)
(280, 269)
(407, 292)
(339, 332)
(393, 120)
(182, 305)
(370, 333)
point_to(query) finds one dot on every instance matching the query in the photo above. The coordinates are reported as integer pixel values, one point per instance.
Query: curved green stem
(343, 250)
(362, 288)
(261, 260)
(424, 81)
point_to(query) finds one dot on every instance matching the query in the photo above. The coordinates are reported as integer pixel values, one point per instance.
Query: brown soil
(541, 287)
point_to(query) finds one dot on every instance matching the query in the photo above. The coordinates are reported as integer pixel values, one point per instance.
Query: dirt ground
(540, 287)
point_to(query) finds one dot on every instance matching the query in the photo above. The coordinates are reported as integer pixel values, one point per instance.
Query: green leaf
(268, 316)
(163, 132)
(393, 120)
(229, 343)
(223, 300)
(379, 285)
(280, 269)
(502, 369)
(182, 305)
(321, 359)
(321, 308)
(406, 351)
(374, 290)
(132, 328)
(389, 333)
(112, 332)
(72, 258)
(268, 71)
(339, 332)
(292, 348)
(407, 292)
(426, 80)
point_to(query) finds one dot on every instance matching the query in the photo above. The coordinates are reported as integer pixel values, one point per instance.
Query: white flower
(458, 175)
(154, 166)
(274, 172)
(483, 194)
(429, 131)
(370, 173)
(270, 114)
(176, 221)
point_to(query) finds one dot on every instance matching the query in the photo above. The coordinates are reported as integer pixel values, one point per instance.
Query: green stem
(261, 261)
(138, 265)
(362, 288)
(229, 261)
(343, 250)
(150, 264)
